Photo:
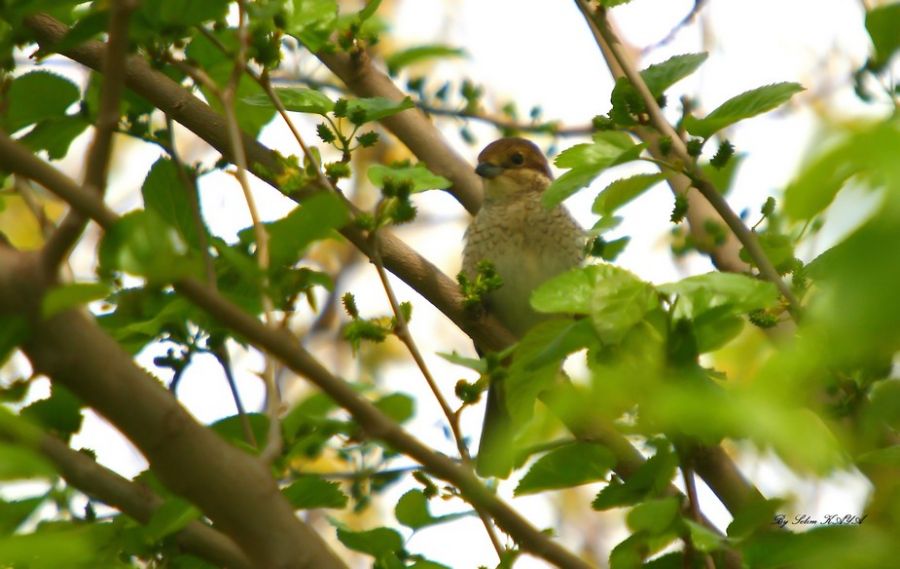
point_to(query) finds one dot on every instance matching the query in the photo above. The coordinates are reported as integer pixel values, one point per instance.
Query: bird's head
(512, 167)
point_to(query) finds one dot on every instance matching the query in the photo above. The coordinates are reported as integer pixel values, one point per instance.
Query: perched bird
(527, 244)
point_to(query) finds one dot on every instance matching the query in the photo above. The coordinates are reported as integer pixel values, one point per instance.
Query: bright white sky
(541, 52)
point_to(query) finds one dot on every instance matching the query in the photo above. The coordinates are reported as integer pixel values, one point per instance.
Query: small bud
(665, 145)
(368, 139)
(694, 147)
(340, 108)
(601, 123)
(349, 302)
(680, 209)
(325, 133)
(723, 155)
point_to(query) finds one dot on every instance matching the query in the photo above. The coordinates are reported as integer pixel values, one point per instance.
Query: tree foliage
(788, 352)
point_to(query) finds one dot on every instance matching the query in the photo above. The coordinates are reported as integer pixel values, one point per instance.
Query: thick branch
(412, 126)
(233, 489)
(138, 502)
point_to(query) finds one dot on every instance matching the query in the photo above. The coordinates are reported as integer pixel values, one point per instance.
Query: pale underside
(528, 244)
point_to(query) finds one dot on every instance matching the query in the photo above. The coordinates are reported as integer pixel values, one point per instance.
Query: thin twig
(58, 246)
(548, 127)
(684, 22)
(401, 330)
(228, 97)
(220, 352)
(690, 489)
(712, 195)
(193, 193)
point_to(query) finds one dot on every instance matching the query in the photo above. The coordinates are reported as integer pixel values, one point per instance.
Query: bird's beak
(488, 170)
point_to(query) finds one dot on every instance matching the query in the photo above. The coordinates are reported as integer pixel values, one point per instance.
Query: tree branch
(609, 43)
(235, 490)
(71, 227)
(138, 502)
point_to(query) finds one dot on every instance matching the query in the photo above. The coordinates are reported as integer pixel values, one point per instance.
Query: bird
(528, 244)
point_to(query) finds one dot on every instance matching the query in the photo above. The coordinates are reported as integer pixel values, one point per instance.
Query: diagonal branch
(609, 43)
(138, 502)
(71, 227)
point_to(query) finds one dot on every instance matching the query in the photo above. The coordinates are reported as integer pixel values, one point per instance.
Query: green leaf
(14, 513)
(419, 176)
(882, 23)
(369, 10)
(162, 14)
(757, 514)
(571, 465)
(615, 299)
(471, 363)
(20, 463)
(865, 152)
(701, 293)
(232, 430)
(746, 105)
(703, 538)
(587, 161)
(310, 492)
(570, 292)
(219, 66)
(71, 295)
(36, 96)
(316, 218)
(605, 147)
(400, 59)
(570, 182)
(654, 516)
(165, 193)
(376, 542)
(661, 76)
(170, 518)
(620, 192)
(525, 381)
(296, 99)
(143, 244)
(778, 248)
(889, 456)
(60, 413)
(572, 336)
(312, 22)
(55, 135)
(715, 328)
(375, 108)
(142, 314)
(651, 478)
(397, 406)
(60, 544)
(412, 511)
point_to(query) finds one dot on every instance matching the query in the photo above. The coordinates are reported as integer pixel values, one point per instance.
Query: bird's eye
(517, 159)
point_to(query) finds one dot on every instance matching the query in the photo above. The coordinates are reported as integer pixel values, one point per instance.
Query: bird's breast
(527, 245)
